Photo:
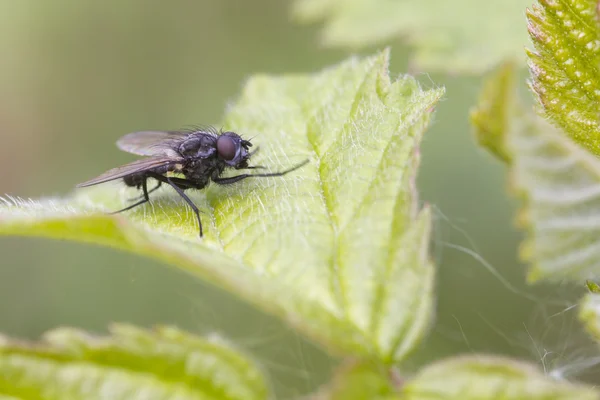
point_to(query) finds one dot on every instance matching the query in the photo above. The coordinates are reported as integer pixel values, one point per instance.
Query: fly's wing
(151, 143)
(145, 164)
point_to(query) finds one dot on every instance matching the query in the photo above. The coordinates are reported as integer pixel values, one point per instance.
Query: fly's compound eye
(226, 147)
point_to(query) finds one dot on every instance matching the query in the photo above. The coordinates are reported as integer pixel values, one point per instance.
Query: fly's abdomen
(135, 180)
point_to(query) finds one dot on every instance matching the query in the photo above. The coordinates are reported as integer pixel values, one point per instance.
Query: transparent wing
(131, 168)
(151, 143)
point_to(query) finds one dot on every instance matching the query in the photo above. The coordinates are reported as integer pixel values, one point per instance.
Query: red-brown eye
(226, 147)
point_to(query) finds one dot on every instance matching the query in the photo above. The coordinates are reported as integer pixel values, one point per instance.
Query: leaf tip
(493, 115)
(592, 286)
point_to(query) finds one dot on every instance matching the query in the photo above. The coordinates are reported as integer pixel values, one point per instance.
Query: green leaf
(566, 66)
(556, 179)
(455, 36)
(132, 363)
(488, 377)
(338, 248)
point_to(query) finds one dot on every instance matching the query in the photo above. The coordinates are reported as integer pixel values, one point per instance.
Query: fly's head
(233, 150)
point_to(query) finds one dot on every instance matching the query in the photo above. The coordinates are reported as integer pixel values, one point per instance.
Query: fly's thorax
(198, 144)
(200, 170)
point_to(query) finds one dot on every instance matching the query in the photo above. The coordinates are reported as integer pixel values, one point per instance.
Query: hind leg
(180, 185)
(149, 191)
(145, 199)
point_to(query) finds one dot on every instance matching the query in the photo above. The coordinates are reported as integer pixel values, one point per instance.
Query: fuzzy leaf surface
(565, 66)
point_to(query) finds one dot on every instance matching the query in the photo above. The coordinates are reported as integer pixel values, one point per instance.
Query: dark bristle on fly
(199, 154)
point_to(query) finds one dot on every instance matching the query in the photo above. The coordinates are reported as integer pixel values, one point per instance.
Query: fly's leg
(180, 185)
(232, 179)
(149, 191)
(237, 178)
(184, 183)
(145, 199)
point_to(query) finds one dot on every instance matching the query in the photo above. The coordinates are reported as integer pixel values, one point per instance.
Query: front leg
(237, 178)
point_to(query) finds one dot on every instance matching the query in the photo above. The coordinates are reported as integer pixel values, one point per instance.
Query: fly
(201, 156)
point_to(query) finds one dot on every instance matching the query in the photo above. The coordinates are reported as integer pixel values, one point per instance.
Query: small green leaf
(131, 364)
(593, 287)
(455, 36)
(496, 110)
(566, 66)
(589, 314)
(488, 377)
(338, 248)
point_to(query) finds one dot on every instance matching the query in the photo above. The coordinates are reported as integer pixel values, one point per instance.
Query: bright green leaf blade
(338, 248)
(566, 66)
(455, 36)
(131, 364)
(487, 377)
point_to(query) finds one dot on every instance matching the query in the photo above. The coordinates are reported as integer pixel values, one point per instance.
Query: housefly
(200, 155)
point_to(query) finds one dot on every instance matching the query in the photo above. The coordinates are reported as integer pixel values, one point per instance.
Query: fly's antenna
(252, 138)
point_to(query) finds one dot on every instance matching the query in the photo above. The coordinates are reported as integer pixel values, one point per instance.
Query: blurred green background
(74, 76)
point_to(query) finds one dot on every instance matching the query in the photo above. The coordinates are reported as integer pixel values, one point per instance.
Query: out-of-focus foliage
(482, 377)
(478, 377)
(451, 36)
(496, 111)
(130, 364)
(589, 313)
(557, 179)
(559, 182)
